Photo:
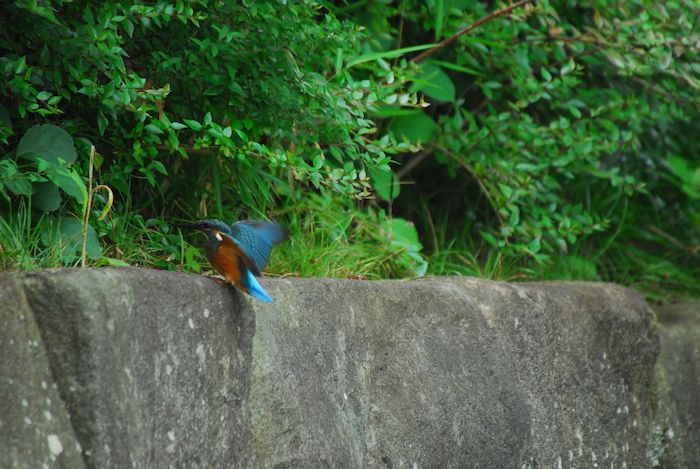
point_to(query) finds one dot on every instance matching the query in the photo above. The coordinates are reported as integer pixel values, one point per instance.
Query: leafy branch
(505, 10)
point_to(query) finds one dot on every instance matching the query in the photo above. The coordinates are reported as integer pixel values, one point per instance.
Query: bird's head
(211, 227)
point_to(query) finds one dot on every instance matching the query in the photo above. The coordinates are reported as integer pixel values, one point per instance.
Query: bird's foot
(218, 280)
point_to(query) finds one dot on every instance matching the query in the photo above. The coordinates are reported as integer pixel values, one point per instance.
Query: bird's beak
(187, 226)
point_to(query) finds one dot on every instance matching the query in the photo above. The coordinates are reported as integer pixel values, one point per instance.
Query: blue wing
(257, 238)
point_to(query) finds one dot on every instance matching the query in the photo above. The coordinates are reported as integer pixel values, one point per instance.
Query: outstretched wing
(256, 238)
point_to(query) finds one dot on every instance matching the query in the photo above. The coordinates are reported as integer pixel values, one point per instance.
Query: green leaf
(8, 168)
(415, 128)
(679, 166)
(69, 181)
(439, 18)
(112, 262)
(35, 8)
(403, 232)
(390, 54)
(568, 68)
(695, 181)
(546, 75)
(49, 143)
(690, 191)
(102, 123)
(18, 185)
(490, 238)
(393, 111)
(455, 67)
(70, 232)
(158, 166)
(20, 65)
(338, 60)
(193, 124)
(46, 197)
(128, 27)
(153, 129)
(385, 183)
(615, 58)
(434, 82)
(403, 236)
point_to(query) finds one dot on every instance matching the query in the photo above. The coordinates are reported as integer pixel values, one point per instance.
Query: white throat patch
(218, 237)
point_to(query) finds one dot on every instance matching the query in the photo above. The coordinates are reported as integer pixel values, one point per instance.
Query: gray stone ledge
(143, 368)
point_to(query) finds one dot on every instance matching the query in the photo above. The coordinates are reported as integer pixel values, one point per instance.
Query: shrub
(196, 108)
(559, 129)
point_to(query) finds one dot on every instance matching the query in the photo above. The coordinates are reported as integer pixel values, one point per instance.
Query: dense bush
(196, 108)
(558, 139)
(562, 132)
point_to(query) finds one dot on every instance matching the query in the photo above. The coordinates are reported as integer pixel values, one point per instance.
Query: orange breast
(227, 260)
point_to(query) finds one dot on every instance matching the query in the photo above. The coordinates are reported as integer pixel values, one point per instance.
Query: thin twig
(401, 26)
(476, 24)
(412, 163)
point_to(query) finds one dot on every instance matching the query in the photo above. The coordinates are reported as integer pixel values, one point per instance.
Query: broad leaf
(48, 142)
(403, 232)
(679, 167)
(70, 231)
(46, 196)
(416, 128)
(402, 235)
(69, 181)
(434, 82)
(385, 183)
(18, 185)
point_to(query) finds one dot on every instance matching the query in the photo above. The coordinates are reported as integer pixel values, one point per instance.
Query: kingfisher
(240, 251)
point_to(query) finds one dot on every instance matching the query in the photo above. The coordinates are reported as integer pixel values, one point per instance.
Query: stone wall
(142, 368)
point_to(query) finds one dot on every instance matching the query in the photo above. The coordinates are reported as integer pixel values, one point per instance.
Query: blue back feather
(256, 239)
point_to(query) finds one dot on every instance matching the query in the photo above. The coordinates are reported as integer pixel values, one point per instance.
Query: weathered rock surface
(142, 368)
(151, 368)
(678, 378)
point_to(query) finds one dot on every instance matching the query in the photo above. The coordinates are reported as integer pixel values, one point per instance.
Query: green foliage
(331, 238)
(235, 87)
(688, 178)
(552, 141)
(196, 108)
(24, 243)
(557, 129)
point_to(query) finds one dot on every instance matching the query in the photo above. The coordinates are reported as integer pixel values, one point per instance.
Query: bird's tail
(255, 289)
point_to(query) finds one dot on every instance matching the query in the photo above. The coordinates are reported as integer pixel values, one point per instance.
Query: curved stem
(88, 206)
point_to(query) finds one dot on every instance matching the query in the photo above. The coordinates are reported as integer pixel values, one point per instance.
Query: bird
(240, 251)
